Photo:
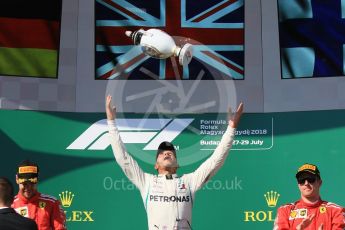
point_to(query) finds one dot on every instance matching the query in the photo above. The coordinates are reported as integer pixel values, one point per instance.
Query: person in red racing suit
(44, 209)
(310, 212)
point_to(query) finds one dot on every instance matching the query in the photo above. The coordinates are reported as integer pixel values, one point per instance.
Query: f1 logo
(150, 131)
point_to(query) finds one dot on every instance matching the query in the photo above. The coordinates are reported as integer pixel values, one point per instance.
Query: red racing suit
(326, 213)
(45, 210)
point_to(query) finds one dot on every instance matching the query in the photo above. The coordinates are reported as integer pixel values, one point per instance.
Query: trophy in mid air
(158, 44)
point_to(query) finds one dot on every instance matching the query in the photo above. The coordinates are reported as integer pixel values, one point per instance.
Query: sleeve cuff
(111, 126)
(231, 130)
(111, 122)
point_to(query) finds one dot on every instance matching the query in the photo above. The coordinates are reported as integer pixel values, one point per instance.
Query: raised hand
(234, 119)
(109, 108)
(306, 222)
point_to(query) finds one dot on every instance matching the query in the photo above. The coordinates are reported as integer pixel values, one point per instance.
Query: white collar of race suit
(168, 176)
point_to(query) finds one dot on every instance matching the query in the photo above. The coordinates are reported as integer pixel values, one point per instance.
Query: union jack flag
(215, 28)
(312, 38)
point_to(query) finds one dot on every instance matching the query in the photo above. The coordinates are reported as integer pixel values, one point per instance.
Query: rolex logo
(263, 215)
(66, 198)
(80, 215)
(271, 198)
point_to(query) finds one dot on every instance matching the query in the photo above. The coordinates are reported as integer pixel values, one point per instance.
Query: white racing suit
(169, 199)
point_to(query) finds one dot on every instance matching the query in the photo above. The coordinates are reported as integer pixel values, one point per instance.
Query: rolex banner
(78, 168)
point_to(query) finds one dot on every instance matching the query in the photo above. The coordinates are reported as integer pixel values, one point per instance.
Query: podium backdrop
(77, 164)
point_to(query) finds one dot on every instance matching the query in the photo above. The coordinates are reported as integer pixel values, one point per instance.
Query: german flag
(30, 37)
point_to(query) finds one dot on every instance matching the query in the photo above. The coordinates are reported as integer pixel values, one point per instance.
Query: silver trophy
(158, 44)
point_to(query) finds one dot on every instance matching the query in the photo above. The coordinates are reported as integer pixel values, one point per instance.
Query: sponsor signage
(66, 198)
(77, 164)
(267, 214)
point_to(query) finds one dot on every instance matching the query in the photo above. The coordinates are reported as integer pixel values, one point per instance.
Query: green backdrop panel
(76, 160)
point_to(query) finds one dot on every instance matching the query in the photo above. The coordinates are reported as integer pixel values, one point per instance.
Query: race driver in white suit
(168, 198)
